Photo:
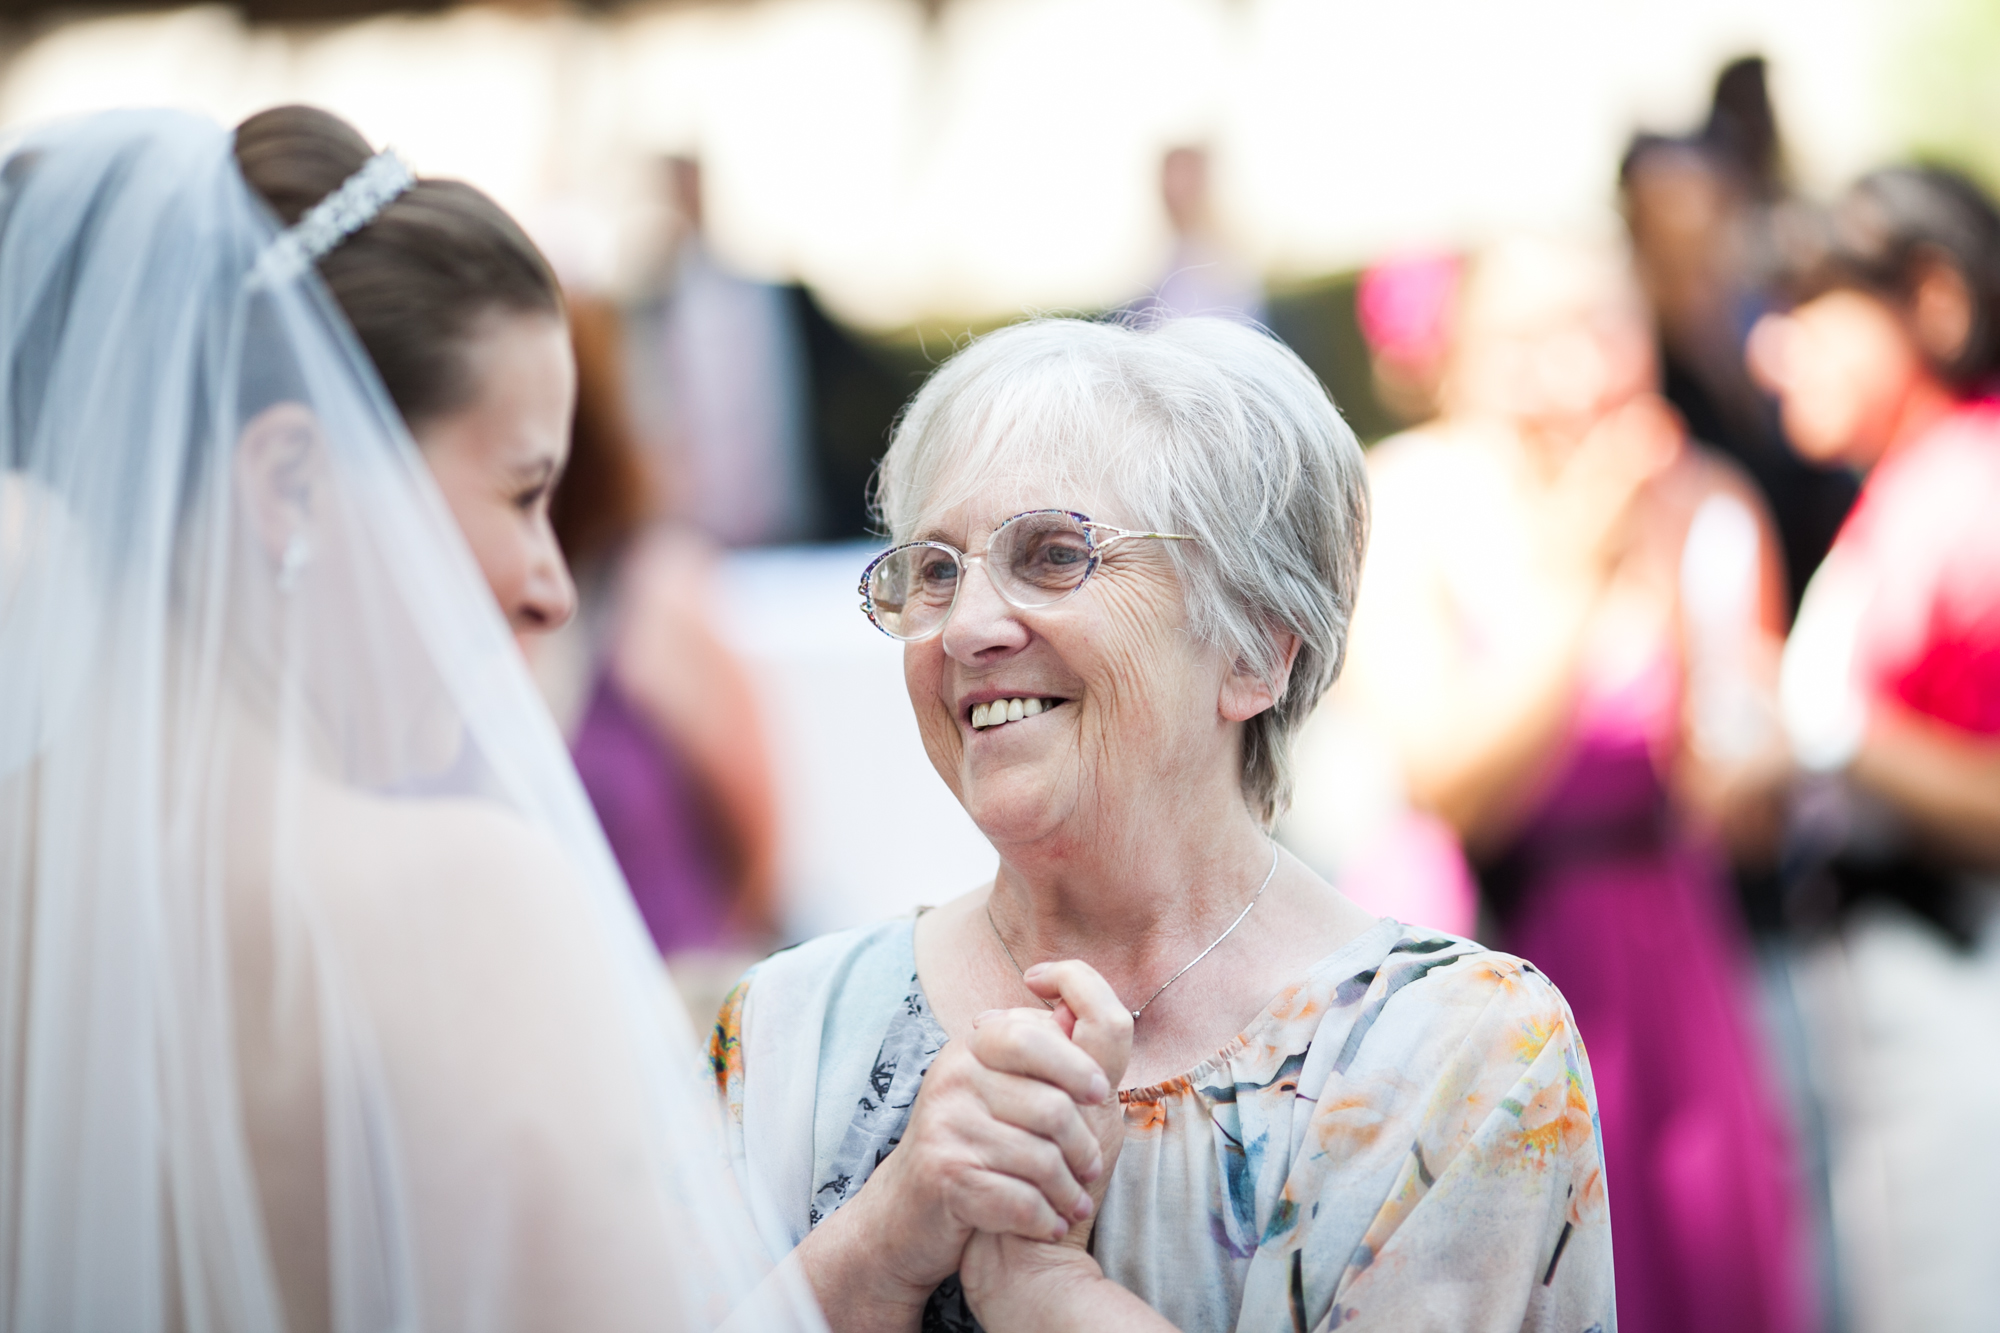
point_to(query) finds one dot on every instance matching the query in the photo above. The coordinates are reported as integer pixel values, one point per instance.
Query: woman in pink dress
(1566, 610)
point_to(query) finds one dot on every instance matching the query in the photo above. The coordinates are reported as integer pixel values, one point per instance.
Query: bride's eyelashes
(536, 485)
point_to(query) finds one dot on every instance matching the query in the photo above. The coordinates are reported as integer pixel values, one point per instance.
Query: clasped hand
(1014, 1134)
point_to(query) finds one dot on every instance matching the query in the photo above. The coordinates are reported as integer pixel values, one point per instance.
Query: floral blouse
(1406, 1138)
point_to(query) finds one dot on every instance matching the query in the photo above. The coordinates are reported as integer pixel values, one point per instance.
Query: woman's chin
(1012, 809)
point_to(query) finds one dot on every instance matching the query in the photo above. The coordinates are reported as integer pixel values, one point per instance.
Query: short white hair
(1198, 426)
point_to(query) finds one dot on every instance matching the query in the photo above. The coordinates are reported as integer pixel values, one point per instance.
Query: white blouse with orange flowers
(1406, 1138)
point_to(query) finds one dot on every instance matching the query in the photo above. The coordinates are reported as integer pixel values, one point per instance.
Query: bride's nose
(548, 595)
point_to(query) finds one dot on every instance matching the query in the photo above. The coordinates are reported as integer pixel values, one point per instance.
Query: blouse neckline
(1375, 942)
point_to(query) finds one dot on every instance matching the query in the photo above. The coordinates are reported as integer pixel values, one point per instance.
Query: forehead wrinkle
(1046, 459)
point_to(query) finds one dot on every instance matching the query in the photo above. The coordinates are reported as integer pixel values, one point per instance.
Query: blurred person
(1403, 305)
(1156, 1073)
(1561, 592)
(1352, 819)
(662, 722)
(719, 388)
(1704, 212)
(1888, 362)
(1202, 277)
(324, 1004)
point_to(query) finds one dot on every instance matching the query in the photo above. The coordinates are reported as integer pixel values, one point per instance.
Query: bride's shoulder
(442, 861)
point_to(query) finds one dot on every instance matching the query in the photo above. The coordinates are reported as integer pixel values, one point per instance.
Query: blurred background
(775, 217)
(834, 192)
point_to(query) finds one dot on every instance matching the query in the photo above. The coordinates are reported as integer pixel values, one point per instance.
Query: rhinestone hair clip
(381, 179)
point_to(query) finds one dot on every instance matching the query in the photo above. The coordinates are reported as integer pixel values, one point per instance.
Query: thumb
(1096, 1019)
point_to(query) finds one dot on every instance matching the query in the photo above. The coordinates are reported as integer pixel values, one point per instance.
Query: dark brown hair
(1883, 232)
(417, 279)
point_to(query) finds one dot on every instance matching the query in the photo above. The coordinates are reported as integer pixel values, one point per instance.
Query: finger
(1034, 1160)
(1006, 1205)
(1103, 1023)
(1065, 1018)
(1048, 1113)
(1028, 1042)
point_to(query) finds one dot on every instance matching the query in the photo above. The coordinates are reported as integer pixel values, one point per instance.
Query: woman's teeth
(1008, 710)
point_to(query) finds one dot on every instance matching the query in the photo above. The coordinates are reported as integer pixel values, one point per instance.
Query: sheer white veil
(322, 1003)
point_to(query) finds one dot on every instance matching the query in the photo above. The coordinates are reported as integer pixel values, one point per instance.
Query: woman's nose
(548, 598)
(982, 624)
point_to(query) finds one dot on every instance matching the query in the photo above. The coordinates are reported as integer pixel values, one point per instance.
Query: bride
(321, 1003)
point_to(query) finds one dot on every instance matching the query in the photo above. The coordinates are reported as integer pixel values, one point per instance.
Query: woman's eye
(529, 498)
(1056, 554)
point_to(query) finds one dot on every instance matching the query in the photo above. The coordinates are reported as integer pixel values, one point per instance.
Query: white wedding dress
(322, 1005)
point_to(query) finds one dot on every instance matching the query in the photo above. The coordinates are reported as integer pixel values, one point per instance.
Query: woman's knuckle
(1026, 1211)
(1015, 1035)
(1049, 1166)
(994, 1043)
(1051, 1110)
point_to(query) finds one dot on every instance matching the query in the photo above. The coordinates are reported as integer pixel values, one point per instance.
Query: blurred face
(1129, 701)
(1550, 340)
(1678, 209)
(497, 460)
(1843, 367)
(1184, 188)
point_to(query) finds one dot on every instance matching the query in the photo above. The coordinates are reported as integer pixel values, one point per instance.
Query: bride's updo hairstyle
(417, 280)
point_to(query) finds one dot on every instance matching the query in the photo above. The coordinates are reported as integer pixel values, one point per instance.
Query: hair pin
(378, 182)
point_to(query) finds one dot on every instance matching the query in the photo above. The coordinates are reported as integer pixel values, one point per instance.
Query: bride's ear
(279, 461)
(1245, 693)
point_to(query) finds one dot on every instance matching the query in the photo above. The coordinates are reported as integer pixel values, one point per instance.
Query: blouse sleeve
(1497, 1217)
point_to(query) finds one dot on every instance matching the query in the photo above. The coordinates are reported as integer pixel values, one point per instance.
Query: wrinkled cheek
(945, 747)
(936, 727)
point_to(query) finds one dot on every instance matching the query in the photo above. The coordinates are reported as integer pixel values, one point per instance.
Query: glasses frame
(1095, 544)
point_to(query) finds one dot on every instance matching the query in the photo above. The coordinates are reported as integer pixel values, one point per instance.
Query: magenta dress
(1630, 917)
(651, 812)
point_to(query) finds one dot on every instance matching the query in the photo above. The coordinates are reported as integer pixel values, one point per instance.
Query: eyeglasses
(1035, 559)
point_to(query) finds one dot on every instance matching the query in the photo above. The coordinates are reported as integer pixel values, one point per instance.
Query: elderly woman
(1156, 1073)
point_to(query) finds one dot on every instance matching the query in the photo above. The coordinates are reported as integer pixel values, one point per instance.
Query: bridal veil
(322, 1004)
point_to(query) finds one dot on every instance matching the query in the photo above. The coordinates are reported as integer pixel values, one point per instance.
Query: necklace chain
(1176, 976)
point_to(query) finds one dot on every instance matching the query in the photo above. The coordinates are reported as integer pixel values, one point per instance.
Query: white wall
(869, 829)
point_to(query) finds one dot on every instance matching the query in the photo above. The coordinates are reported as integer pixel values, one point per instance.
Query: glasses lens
(1043, 557)
(911, 589)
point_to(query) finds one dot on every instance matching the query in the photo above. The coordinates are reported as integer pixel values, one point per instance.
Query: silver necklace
(1176, 976)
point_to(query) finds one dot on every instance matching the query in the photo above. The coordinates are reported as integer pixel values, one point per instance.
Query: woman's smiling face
(1130, 699)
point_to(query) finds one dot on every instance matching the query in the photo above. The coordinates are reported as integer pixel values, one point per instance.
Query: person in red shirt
(1889, 362)
(1892, 366)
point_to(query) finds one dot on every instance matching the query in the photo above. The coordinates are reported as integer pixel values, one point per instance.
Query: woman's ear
(1941, 311)
(1246, 694)
(279, 460)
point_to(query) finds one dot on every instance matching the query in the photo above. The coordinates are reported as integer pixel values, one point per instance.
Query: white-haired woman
(1156, 1072)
